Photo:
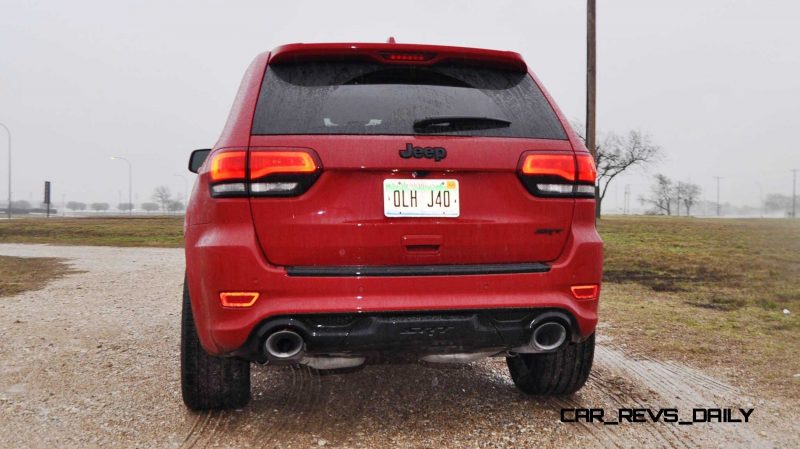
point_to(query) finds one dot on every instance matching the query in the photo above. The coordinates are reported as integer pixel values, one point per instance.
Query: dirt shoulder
(91, 359)
(20, 274)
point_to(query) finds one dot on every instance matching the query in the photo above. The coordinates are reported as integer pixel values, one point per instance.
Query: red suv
(393, 202)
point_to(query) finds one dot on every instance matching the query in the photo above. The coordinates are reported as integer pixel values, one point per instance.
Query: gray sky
(715, 82)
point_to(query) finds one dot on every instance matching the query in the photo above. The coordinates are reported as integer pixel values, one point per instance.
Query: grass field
(711, 292)
(114, 231)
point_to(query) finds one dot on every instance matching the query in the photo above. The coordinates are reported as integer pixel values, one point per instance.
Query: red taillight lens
(228, 165)
(586, 169)
(591, 291)
(558, 174)
(558, 165)
(265, 163)
(238, 299)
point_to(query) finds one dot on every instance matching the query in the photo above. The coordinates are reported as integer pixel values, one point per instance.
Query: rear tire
(561, 372)
(209, 382)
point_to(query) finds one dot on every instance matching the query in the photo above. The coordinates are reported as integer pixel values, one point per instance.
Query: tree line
(162, 201)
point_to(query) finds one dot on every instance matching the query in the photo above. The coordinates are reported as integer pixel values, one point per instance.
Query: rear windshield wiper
(458, 123)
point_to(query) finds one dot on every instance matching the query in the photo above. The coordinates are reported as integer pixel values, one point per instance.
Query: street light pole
(130, 182)
(185, 187)
(8, 132)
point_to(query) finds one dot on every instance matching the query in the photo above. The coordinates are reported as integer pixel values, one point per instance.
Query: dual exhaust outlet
(549, 334)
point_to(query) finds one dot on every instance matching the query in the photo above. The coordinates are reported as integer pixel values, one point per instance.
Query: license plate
(420, 198)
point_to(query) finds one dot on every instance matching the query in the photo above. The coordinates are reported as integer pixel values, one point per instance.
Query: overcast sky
(715, 82)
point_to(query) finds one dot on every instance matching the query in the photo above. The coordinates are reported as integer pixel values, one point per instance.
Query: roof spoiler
(393, 53)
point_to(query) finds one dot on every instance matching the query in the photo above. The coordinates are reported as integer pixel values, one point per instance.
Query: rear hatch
(419, 164)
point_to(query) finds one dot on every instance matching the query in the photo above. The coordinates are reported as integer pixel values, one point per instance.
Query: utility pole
(8, 132)
(591, 84)
(591, 77)
(717, 178)
(626, 205)
(130, 182)
(794, 193)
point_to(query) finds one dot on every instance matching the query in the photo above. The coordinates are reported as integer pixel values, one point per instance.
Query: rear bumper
(415, 334)
(226, 257)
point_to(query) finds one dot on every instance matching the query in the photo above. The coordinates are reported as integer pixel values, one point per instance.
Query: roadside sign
(47, 196)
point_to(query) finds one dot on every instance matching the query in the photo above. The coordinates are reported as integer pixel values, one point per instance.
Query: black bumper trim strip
(417, 270)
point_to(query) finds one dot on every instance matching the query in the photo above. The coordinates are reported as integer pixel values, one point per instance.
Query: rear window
(372, 98)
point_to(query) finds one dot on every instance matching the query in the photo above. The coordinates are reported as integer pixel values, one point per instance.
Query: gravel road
(91, 360)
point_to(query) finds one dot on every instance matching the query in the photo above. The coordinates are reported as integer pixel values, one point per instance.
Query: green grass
(715, 264)
(711, 292)
(114, 231)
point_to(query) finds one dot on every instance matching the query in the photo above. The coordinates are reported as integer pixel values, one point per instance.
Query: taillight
(262, 173)
(558, 174)
(227, 173)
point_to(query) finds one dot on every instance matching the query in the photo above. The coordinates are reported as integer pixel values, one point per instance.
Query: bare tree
(616, 154)
(163, 196)
(76, 205)
(99, 207)
(776, 202)
(662, 195)
(175, 206)
(150, 207)
(20, 205)
(125, 206)
(688, 194)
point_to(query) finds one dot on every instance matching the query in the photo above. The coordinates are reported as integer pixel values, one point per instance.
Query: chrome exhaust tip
(284, 345)
(549, 336)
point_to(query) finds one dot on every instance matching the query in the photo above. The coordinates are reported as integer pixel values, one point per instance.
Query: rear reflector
(585, 291)
(238, 299)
